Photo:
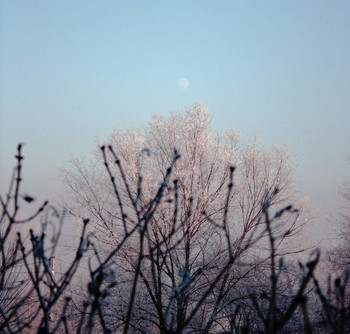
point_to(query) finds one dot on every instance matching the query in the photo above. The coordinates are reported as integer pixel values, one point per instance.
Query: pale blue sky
(278, 70)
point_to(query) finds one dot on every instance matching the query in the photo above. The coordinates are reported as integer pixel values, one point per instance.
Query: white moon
(183, 83)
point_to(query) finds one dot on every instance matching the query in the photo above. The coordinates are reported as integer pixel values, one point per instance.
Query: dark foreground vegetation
(134, 287)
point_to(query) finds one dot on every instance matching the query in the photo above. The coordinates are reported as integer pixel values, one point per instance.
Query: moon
(183, 83)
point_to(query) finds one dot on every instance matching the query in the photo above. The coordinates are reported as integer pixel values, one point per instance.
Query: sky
(72, 71)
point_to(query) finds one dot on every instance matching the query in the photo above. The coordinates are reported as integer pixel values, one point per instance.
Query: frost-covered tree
(339, 256)
(196, 223)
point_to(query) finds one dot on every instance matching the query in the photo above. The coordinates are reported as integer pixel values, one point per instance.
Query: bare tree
(339, 256)
(205, 231)
(166, 278)
(32, 296)
(334, 294)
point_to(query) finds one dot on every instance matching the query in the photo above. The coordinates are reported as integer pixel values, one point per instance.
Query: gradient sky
(71, 71)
